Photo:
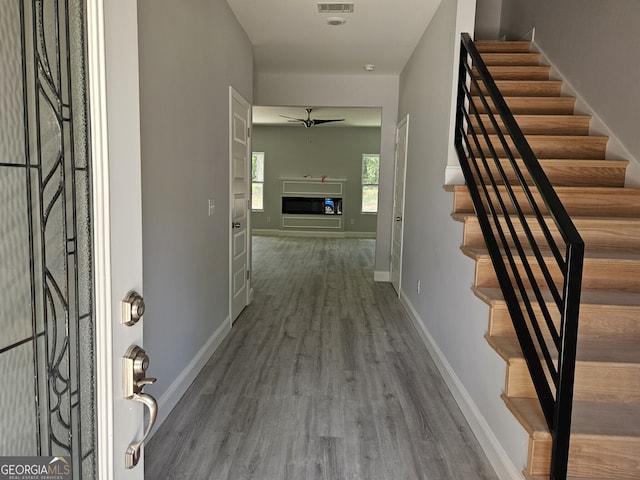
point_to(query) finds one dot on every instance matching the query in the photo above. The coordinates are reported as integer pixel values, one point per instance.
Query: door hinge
(248, 131)
(248, 275)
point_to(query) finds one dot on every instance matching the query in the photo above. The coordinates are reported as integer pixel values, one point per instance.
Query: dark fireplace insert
(312, 205)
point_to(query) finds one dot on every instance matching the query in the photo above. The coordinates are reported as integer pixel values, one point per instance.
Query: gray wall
(446, 307)
(364, 90)
(594, 45)
(190, 52)
(488, 13)
(332, 151)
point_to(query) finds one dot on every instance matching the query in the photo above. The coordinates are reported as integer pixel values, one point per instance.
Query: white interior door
(117, 206)
(239, 157)
(402, 138)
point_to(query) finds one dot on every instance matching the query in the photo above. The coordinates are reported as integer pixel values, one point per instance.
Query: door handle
(235, 225)
(135, 364)
(398, 219)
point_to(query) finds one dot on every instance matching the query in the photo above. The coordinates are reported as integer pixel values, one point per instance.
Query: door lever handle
(134, 367)
(235, 225)
(132, 455)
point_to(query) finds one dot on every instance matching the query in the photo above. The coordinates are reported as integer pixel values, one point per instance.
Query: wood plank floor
(322, 377)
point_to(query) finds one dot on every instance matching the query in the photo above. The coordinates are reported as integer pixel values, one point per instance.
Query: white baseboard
(370, 235)
(382, 276)
(265, 232)
(177, 389)
(311, 234)
(453, 175)
(500, 461)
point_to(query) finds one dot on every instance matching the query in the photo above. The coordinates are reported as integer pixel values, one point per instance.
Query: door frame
(235, 95)
(404, 121)
(114, 119)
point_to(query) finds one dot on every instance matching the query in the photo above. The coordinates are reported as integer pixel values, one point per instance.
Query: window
(370, 175)
(257, 181)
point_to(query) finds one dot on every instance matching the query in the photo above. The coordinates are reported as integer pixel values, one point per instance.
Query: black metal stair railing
(536, 251)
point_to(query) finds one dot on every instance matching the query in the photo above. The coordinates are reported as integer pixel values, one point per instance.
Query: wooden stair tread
(595, 190)
(518, 88)
(484, 46)
(501, 72)
(599, 162)
(619, 351)
(598, 139)
(589, 419)
(588, 201)
(585, 219)
(550, 146)
(597, 232)
(561, 171)
(493, 296)
(600, 253)
(532, 105)
(541, 124)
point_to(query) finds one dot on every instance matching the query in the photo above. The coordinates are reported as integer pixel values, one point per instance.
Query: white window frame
(364, 185)
(261, 182)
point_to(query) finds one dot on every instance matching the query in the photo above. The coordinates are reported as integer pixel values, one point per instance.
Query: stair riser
(510, 58)
(600, 382)
(593, 174)
(503, 47)
(530, 105)
(548, 147)
(517, 73)
(579, 202)
(596, 321)
(539, 124)
(524, 88)
(596, 458)
(623, 235)
(603, 274)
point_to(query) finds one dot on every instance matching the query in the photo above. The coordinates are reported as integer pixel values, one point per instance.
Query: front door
(70, 231)
(239, 157)
(402, 136)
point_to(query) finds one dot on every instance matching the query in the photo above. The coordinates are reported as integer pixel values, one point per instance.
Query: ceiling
(354, 116)
(290, 36)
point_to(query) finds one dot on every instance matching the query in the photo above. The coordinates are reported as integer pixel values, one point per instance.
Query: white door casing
(402, 139)
(112, 62)
(240, 188)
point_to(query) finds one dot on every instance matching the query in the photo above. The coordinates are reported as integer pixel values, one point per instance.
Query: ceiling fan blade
(293, 118)
(319, 122)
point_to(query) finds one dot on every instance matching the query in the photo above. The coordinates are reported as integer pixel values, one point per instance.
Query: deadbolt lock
(132, 308)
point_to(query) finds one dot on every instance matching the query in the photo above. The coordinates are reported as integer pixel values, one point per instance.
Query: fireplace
(312, 205)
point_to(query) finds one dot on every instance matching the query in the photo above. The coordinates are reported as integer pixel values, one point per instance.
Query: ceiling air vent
(332, 7)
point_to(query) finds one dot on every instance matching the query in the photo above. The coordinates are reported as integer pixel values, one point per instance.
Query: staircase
(605, 439)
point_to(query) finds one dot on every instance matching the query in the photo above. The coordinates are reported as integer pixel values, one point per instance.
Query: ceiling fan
(310, 122)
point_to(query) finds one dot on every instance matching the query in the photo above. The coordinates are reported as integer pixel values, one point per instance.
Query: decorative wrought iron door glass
(46, 307)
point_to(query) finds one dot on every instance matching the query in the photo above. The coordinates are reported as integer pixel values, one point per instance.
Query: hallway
(322, 377)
